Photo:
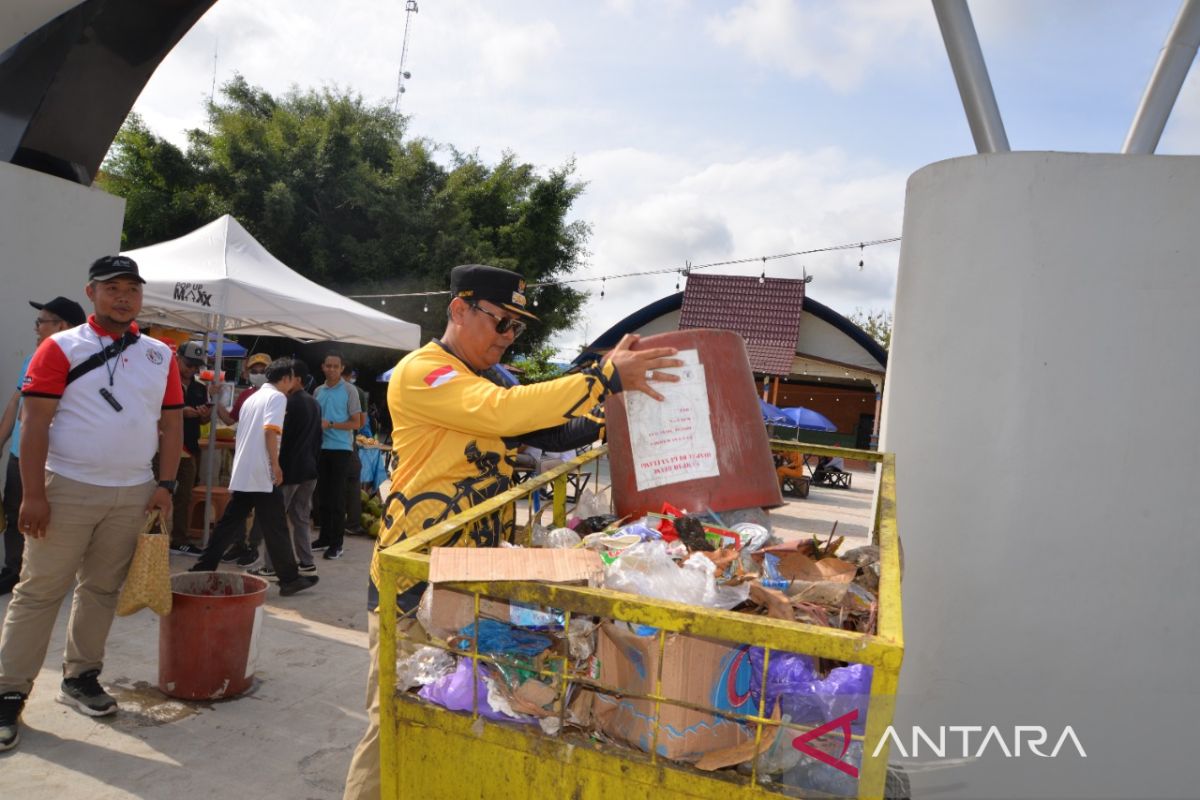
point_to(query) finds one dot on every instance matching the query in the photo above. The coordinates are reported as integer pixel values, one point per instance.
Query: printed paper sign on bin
(672, 439)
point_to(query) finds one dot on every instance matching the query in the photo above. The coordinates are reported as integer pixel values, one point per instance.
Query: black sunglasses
(504, 324)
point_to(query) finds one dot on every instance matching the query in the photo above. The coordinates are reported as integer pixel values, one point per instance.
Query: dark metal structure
(66, 88)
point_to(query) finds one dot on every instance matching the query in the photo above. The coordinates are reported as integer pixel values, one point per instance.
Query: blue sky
(705, 131)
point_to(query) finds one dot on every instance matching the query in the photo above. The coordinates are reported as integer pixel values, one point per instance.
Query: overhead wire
(861, 245)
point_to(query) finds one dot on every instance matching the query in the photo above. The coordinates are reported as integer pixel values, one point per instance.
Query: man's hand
(276, 474)
(34, 516)
(161, 500)
(637, 367)
(196, 412)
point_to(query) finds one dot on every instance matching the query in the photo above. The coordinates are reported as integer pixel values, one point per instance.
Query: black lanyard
(106, 354)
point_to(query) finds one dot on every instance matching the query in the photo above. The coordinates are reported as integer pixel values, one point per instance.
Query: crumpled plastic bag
(787, 674)
(555, 538)
(646, 569)
(499, 638)
(593, 504)
(458, 692)
(423, 668)
(825, 699)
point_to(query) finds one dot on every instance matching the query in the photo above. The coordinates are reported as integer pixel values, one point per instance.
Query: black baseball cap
(68, 311)
(505, 288)
(110, 267)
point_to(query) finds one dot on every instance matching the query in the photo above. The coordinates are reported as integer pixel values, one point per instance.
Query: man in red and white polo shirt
(99, 401)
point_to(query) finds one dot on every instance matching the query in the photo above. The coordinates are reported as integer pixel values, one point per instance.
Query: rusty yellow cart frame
(430, 752)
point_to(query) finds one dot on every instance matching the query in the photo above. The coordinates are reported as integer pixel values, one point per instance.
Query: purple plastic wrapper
(825, 699)
(787, 674)
(454, 692)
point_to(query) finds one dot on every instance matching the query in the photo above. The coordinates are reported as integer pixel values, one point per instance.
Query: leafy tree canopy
(537, 366)
(877, 324)
(331, 186)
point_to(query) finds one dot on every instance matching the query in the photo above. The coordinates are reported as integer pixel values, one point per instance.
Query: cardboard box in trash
(700, 671)
(452, 610)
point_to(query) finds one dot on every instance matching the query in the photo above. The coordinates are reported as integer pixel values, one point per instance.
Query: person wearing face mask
(256, 375)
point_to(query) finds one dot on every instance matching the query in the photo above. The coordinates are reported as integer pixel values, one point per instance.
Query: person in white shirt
(255, 480)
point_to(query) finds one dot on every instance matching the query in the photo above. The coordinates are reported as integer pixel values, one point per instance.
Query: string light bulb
(603, 283)
(426, 307)
(860, 256)
(763, 277)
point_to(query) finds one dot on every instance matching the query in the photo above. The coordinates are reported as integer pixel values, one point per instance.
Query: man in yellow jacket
(455, 429)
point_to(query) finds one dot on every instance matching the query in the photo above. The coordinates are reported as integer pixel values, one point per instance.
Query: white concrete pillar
(1040, 399)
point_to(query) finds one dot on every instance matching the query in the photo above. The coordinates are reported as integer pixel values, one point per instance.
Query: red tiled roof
(766, 314)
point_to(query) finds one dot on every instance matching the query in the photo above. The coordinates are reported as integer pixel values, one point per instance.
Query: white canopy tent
(219, 278)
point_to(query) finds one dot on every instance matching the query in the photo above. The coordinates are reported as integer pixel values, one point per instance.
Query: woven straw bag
(148, 584)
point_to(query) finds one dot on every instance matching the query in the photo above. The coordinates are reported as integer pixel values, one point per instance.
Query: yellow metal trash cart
(431, 752)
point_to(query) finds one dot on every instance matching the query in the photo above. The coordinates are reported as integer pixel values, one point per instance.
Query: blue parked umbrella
(808, 419)
(229, 349)
(773, 414)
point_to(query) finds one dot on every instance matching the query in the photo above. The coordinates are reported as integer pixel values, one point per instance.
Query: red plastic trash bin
(208, 644)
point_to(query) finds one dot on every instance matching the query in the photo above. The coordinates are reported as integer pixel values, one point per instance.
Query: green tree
(536, 366)
(876, 323)
(332, 187)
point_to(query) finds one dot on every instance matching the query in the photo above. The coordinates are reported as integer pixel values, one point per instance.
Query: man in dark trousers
(99, 400)
(255, 480)
(341, 416)
(298, 454)
(53, 316)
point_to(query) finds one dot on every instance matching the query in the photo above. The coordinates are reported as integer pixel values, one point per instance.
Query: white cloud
(836, 43)
(657, 211)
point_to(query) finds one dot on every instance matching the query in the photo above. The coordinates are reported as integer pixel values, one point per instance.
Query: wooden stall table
(220, 490)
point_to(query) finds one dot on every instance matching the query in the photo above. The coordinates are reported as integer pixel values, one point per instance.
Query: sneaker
(298, 585)
(333, 551)
(262, 572)
(319, 544)
(235, 552)
(356, 532)
(247, 558)
(11, 704)
(187, 550)
(307, 568)
(85, 694)
(198, 567)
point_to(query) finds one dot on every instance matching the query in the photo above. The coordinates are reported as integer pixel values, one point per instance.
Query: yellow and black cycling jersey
(454, 434)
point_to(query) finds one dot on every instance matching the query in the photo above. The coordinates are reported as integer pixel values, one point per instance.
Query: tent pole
(212, 428)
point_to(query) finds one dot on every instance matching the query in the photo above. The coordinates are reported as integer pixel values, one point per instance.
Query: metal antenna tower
(410, 8)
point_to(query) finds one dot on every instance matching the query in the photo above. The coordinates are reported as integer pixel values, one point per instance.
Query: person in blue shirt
(341, 416)
(53, 316)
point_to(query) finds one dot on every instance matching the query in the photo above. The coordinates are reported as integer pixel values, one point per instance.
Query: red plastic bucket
(717, 461)
(208, 644)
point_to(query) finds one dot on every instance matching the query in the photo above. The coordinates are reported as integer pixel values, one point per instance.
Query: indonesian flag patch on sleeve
(440, 376)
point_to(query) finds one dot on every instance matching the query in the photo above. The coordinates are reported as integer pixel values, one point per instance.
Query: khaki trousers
(362, 780)
(91, 537)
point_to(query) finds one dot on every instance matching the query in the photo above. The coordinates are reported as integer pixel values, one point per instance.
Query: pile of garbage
(729, 561)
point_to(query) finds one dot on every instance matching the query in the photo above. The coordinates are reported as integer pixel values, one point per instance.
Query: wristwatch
(168, 485)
